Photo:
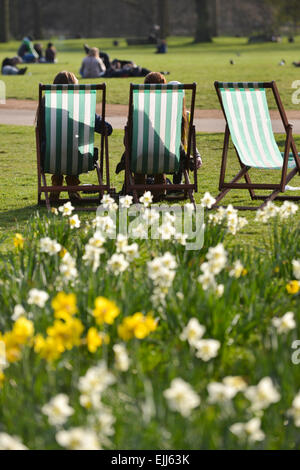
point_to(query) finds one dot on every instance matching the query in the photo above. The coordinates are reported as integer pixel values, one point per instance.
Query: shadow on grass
(13, 218)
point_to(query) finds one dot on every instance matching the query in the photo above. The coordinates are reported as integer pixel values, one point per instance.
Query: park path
(22, 112)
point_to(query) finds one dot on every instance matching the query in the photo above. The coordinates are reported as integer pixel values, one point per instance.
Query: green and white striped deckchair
(69, 126)
(155, 119)
(156, 128)
(249, 124)
(65, 138)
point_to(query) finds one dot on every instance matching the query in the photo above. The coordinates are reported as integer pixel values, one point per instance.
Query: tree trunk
(4, 21)
(203, 31)
(163, 18)
(214, 17)
(37, 19)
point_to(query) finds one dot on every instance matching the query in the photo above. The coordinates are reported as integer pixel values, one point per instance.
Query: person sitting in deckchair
(71, 180)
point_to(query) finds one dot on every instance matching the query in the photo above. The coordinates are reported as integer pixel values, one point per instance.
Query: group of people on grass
(152, 77)
(96, 64)
(28, 53)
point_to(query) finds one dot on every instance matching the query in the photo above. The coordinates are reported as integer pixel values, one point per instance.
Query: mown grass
(18, 178)
(186, 62)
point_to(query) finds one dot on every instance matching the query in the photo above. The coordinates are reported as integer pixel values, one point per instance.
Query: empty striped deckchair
(153, 136)
(67, 120)
(248, 123)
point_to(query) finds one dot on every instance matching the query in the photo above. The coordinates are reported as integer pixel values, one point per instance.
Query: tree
(203, 30)
(37, 19)
(286, 11)
(4, 21)
(163, 17)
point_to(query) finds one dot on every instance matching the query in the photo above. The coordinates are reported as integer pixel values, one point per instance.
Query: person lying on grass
(71, 180)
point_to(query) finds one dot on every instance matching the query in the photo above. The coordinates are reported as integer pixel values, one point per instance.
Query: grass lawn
(18, 178)
(186, 62)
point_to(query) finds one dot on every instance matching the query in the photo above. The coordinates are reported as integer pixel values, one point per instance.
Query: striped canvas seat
(156, 128)
(249, 122)
(69, 126)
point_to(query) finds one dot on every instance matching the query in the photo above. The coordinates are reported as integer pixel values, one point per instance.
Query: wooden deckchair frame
(187, 187)
(100, 188)
(244, 172)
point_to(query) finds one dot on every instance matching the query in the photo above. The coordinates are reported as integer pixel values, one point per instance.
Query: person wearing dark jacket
(9, 66)
(71, 180)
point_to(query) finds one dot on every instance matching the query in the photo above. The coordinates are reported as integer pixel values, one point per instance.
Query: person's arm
(99, 124)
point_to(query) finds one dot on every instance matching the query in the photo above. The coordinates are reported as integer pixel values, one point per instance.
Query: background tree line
(203, 19)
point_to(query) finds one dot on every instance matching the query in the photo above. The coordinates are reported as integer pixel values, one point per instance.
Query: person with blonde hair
(92, 65)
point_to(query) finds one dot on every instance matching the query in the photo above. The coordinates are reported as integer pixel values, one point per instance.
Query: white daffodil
(287, 209)
(139, 232)
(217, 258)
(49, 246)
(122, 360)
(121, 243)
(104, 224)
(219, 290)
(146, 199)
(74, 221)
(296, 269)
(96, 379)
(105, 421)
(236, 382)
(237, 269)
(78, 439)
(284, 324)
(220, 393)
(37, 297)
(19, 311)
(8, 442)
(192, 332)
(208, 200)
(248, 431)
(181, 397)
(262, 395)
(107, 201)
(58, 410)
(68, 267)
(126, 201)
(117, 264)
(97, 240)
(166, 231)
(207, 349)
(131, 251)
(295, 410)
(66, 209)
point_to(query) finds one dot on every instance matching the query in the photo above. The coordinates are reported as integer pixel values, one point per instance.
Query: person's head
(16, 60)
(94, 52)
(50, 45)
(155, 77)
(65, 78)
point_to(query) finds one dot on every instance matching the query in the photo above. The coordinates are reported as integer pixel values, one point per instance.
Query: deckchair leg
(223, 193)
(46, 193)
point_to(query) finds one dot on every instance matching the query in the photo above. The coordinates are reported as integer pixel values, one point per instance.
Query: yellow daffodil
(18, 241)
(95, 339)
(105, 311)
(49, 348)
(63, 305)
(293, 287)
(137, 325)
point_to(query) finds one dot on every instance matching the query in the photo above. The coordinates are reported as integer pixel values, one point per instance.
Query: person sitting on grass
(27, 52)
(9, 66)
(50, 54)
(92, 66)
(71, 180)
